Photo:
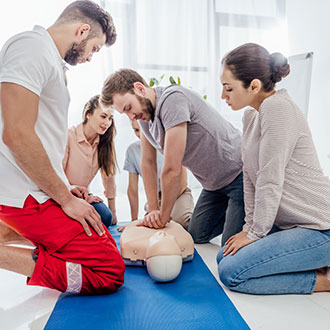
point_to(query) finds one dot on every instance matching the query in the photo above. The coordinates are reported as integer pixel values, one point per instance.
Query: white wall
(308, 27)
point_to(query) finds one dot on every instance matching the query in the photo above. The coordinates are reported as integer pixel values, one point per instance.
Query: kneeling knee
(106, 280)
(198, 239)
(114, 281)
(226, 273)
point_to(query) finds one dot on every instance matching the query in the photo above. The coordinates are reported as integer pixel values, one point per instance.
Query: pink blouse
(80, 162)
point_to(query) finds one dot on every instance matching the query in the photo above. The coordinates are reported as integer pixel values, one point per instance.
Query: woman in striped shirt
(284, 246)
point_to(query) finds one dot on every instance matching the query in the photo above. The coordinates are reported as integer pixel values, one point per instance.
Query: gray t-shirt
(133, 160)
(213, 149)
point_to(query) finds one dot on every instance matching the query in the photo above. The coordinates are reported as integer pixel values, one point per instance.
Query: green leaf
(179, 81)
(153, 81)
(172, 81)
(205, 97)
(160, 79)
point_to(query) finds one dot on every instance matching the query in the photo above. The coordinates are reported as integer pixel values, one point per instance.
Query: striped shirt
(283, 182)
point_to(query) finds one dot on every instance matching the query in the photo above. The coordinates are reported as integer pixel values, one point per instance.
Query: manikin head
(163, 257)
(89, 26)
(128, 93)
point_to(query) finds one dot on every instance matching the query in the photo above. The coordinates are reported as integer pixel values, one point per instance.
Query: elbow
(131, 192)
(148, 163)
(15, 137)
(173, 172)
(146, 166)
(9, 138)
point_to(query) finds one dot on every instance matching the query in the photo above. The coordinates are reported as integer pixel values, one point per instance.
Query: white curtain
(186, 39)
(182, 38)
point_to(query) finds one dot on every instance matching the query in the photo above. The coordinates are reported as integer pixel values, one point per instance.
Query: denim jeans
(218, 211)
(281, 263)
(104, 212)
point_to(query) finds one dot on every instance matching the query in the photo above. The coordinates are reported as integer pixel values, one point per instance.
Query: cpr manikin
(161, 250)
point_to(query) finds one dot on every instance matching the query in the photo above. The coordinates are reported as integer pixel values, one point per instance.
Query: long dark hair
(252, 61)
(107, 159)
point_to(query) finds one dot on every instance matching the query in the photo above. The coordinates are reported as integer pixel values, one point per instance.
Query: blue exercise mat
(192, 301)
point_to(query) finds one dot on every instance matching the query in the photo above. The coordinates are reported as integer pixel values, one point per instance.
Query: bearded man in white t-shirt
(35, 197)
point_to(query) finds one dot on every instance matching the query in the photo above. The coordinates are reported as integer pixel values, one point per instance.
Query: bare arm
(175, 145)
(183, 181)
(133, 194)
(19, 113)
(149, 172)
(109, 184)
(112, 207)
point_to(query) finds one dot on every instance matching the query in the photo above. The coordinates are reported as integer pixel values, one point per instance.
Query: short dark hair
(91, 13)
(252, 61)
(120, 82)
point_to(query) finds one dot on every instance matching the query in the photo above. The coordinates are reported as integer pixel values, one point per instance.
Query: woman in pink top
(284, 246)
(90, 147)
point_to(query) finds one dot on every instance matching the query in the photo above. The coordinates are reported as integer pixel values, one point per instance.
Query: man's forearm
(32, 158)
(134, 203)
(170, 181)
(150, 181)
(112, 205)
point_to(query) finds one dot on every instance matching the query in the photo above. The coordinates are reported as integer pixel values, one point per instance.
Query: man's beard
(76, 51)
(146, 106)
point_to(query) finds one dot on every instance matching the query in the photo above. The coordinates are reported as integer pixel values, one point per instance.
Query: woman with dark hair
(284, 246)
(90, 147)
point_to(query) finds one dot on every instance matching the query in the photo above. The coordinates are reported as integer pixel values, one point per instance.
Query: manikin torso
(161, 250)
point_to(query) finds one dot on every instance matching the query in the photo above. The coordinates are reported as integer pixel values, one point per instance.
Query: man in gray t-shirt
(184, 204)
(189, 132)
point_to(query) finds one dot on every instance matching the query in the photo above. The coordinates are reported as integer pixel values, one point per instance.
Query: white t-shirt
(31, 59)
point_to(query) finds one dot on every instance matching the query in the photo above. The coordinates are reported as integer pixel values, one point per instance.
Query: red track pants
(68, 260)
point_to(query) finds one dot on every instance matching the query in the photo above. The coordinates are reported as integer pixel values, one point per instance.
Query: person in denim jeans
(284, 246)
(218, 211)
(189, 132)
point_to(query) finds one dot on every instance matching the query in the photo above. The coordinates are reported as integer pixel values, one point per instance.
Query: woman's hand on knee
(236, 242)
(93, 199)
